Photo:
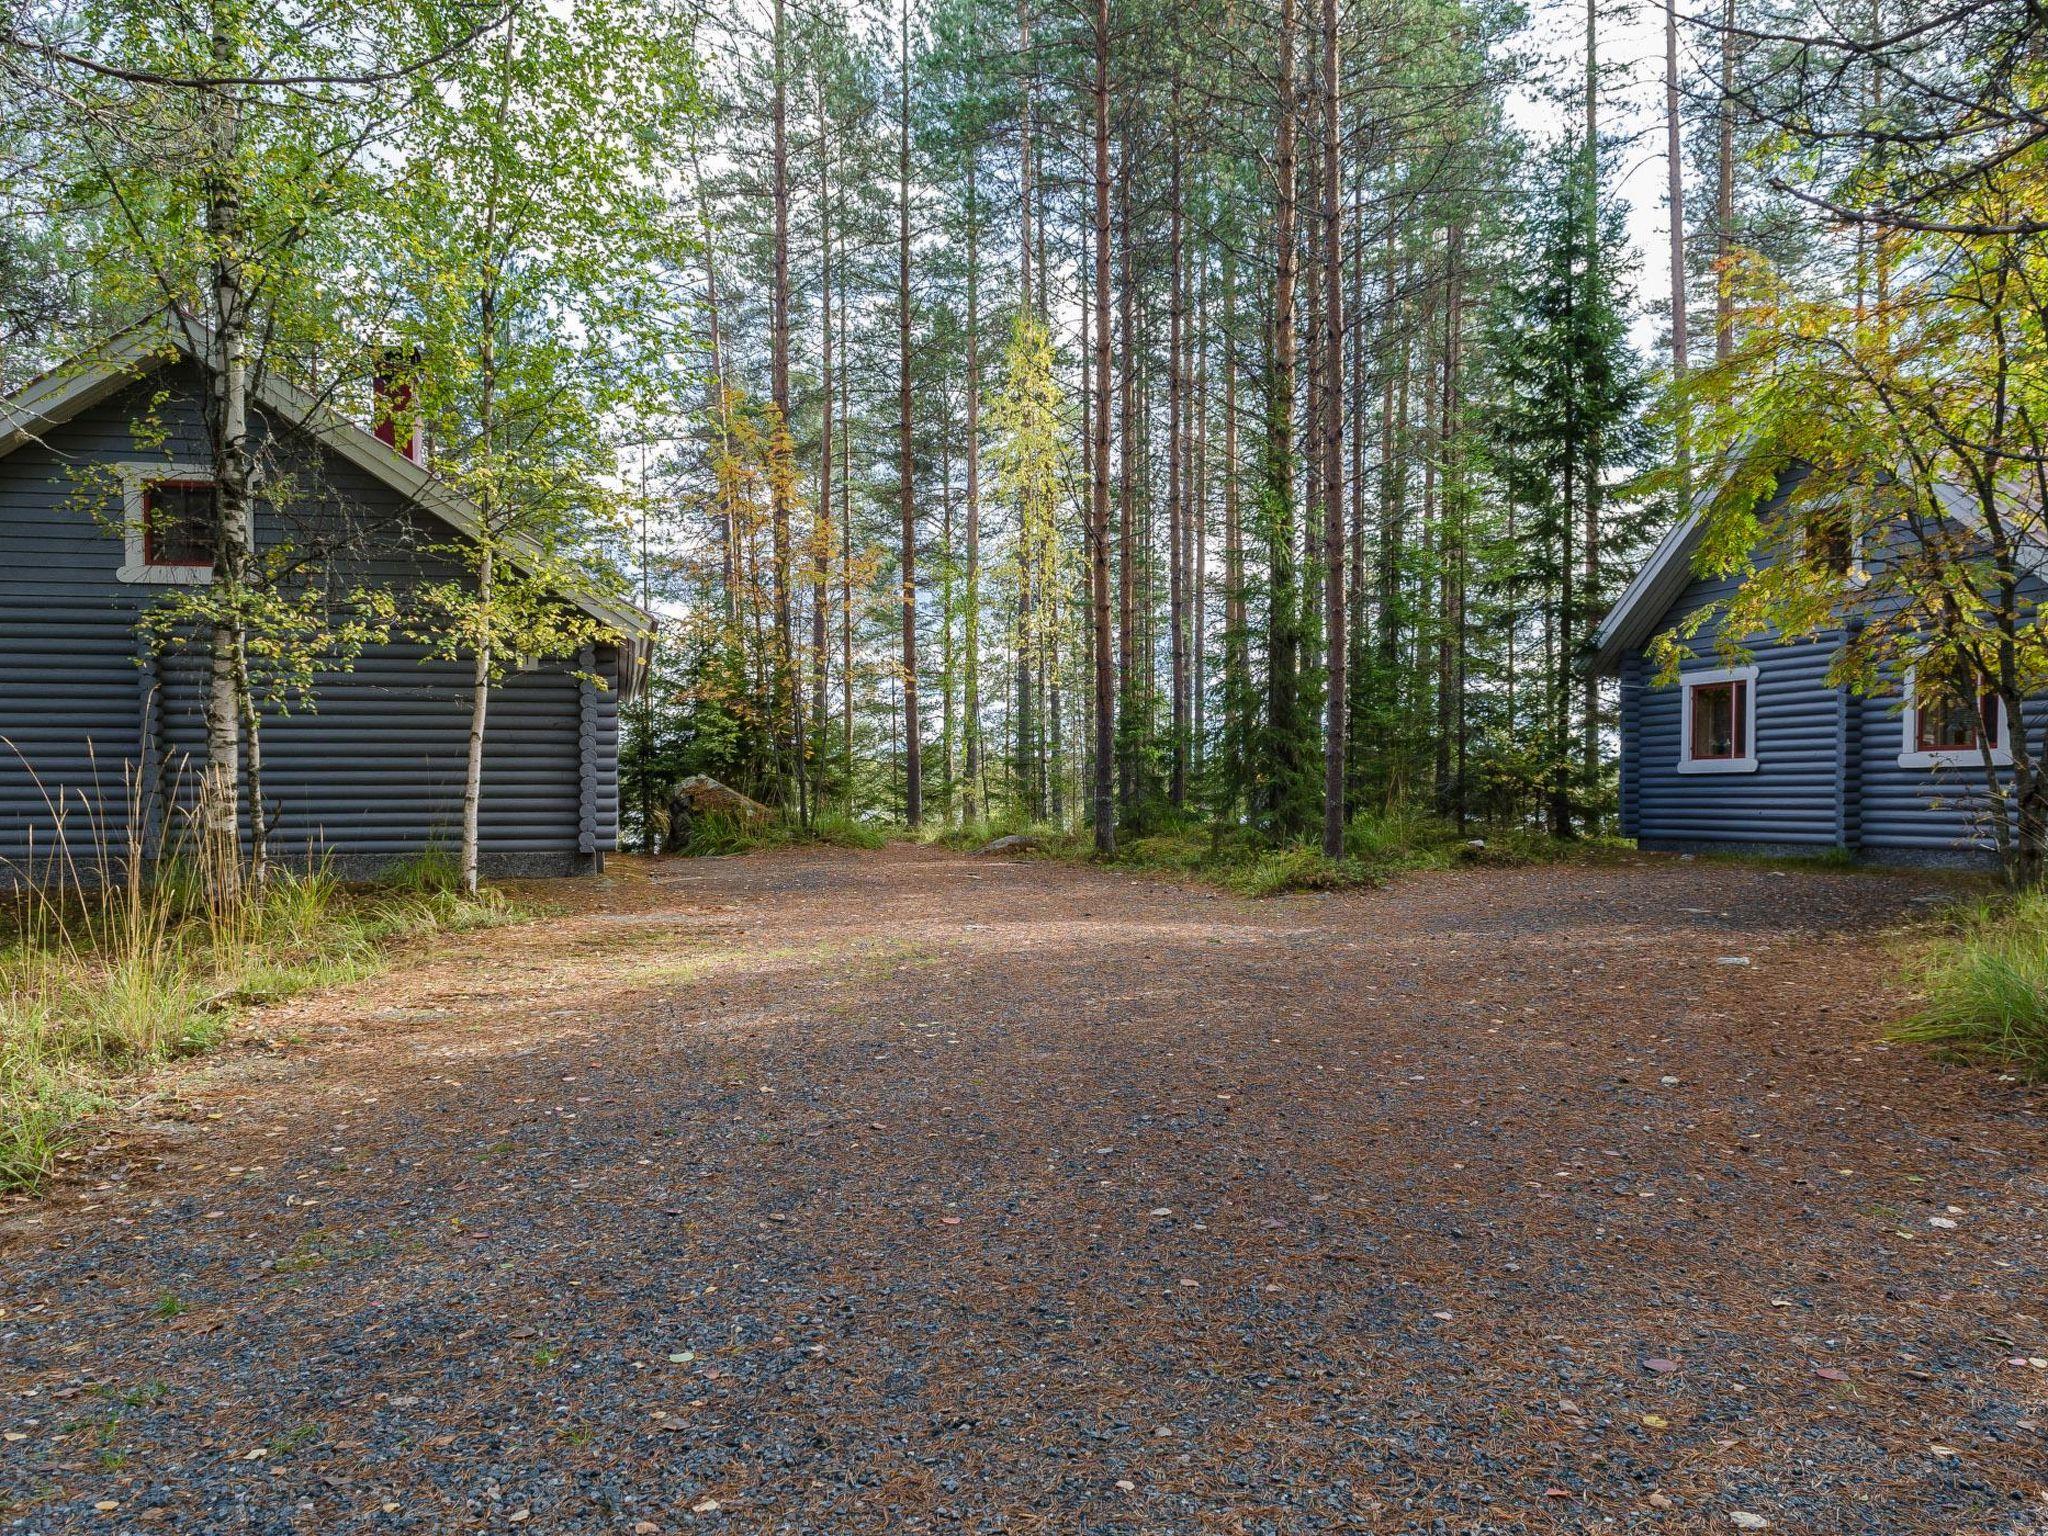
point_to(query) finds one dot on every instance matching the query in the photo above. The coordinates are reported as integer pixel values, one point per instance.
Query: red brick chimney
(394, 415)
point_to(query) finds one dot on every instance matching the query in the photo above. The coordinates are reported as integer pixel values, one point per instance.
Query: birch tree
(525, 235)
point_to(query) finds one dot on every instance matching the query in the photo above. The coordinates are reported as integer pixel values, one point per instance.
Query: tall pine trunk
(1127, 492)
(782, 696)
(1675, 195)
(1724, 194)
(1098, 499)
(971, 598)
(1237, 679)
(1589, 725)
(1176, 378)
(1335, 643)
(1280, 767)
(821, 539)
(913, 763)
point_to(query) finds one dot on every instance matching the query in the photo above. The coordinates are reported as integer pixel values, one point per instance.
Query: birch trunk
(227, 691)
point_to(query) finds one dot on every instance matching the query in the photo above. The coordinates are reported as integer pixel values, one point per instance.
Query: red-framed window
(1831, 542)
(177, 523)
(1720, 721)
(1949, 715)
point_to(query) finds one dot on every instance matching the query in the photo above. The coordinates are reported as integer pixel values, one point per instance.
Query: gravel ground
(848, 1193)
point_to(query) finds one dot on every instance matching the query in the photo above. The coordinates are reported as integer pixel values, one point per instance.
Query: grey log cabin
(101, 731)
(1767, 756)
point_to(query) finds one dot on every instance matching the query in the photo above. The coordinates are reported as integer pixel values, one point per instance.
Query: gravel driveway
(849, 1193)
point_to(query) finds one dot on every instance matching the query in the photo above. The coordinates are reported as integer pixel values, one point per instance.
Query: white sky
(1631, 37)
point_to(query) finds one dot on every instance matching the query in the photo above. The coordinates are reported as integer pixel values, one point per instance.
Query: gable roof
(1643, 603)
(1663, 578)
(1649, 595)
(83, 382)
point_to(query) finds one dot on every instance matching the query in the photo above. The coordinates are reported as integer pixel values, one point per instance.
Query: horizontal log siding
(373, 770)
(1828, 769)
(1794, 795)
(1924, 808)
(1634, 669)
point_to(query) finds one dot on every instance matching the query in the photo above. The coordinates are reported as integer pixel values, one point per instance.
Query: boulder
(1016, 842)
(702, 795)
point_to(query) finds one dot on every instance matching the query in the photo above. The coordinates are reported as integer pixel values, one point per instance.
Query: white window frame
(1911, 756)
(1687, 682)
(136, 479)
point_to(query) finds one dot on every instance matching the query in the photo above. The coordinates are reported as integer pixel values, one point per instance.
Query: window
(167, 523)
(1717, 721)
(1831, 542)
(177, 523)
(1949, 721)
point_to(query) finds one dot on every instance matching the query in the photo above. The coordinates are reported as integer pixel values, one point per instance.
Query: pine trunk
(1177, 788)
(1281, 765)
(1098, 502)
(913, 764)
(821, 540)
(788, 725)
(1335, 642)
(1127, 592)
(1724, 195)
(971, 599)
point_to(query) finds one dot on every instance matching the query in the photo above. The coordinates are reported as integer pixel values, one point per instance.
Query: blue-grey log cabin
(101, 730)
(1767, 756)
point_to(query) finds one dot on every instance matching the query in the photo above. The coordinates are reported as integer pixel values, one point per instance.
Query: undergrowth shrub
(1376, 845)
(715, 834)
(843, 831)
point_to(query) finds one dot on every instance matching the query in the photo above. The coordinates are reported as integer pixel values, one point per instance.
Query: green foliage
(1566, 414)
(715, 718)
(526, 233)
(1986, 985)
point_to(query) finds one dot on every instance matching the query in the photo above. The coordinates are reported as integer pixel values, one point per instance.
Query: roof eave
(1651, 591)
(65, 391)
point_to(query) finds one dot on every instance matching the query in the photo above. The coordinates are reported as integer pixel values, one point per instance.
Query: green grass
(97, 982)
(1374, 848)
(720, 833)
(1986, 984)
(427, 872)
